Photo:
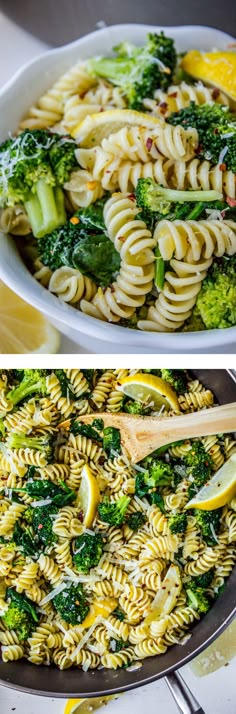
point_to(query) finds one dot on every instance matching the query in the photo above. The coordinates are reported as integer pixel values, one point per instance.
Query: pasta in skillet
(137, 128)
(78, 595)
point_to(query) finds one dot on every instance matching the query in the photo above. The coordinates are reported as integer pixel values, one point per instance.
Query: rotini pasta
(41, 550)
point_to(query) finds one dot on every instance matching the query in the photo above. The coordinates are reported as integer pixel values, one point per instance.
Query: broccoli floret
(216, 301)
(113, 513)
(40, 443)
(209, 523)
(199, 465)
(136, 520)
(21, 614)
(41, 518)
(134, 407)
(88, 550)
(197, 599)
(72, 604)
(138, 70)
(62, 157)
(19, 621)
(178, 523)
(177, 378)
(111, 441)
(158, 202)
(159, 473)
(203, 581)
(33, 382)
(216, 128)
(33, 166)
(143, 489)
(79, 245)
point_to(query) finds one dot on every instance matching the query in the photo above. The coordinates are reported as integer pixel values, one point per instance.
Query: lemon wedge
(219, 490)
(86, 706)
(88, 495)
(216, 68)
(102, 608)
(167, 596)
(147, 388)
(100, 125)
(24, 330)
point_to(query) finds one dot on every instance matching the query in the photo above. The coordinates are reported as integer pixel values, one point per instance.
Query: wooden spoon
(142, 435)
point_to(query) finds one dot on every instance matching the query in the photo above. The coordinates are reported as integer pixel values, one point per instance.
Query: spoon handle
(186, 702)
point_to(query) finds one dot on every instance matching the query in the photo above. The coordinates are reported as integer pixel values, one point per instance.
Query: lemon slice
(167, 596)
(24, 330)
(150, 389)
(102, 608)
(216, 68)
(96, 127)
(219, 490)
(88, 495)
(86, 706)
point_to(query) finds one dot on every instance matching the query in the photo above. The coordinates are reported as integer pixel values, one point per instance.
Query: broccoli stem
(171, 194)
(159, 269)
(45, 209)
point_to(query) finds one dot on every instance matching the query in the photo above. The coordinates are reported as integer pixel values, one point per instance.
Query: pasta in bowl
(81, 569)
(103, 268)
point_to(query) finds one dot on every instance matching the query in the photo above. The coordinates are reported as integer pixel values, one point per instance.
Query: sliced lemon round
(88, 495)
(102, 608)
(87, 706)
(96, 127)
(219, 490)
(216, 68)
(24, 330)
(149, 389)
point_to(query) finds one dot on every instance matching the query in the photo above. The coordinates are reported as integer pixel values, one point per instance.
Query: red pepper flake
(173, 94)
(199, 149)
(222, 167)
(131, 196)
(40, 527)
(121, 238)
(231, 201)
(81, 516)
(107, 171)
(101, 110)
(216, 131)
(215, 93)
(112, 288)
(163, 106)
(149, 143)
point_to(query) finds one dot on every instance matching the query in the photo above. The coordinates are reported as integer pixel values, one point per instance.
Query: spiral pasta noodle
(178, 296)
(134, 242)
(180, 95)
(121, 589)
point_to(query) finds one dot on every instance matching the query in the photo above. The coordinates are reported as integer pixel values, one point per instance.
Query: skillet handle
(186, 702)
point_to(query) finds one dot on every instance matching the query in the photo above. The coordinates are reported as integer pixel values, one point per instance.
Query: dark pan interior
(49, 681)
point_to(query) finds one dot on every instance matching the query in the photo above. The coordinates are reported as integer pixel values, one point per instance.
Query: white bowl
(15, 98)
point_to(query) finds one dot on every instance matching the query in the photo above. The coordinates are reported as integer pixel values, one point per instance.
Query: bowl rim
(23, 283)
